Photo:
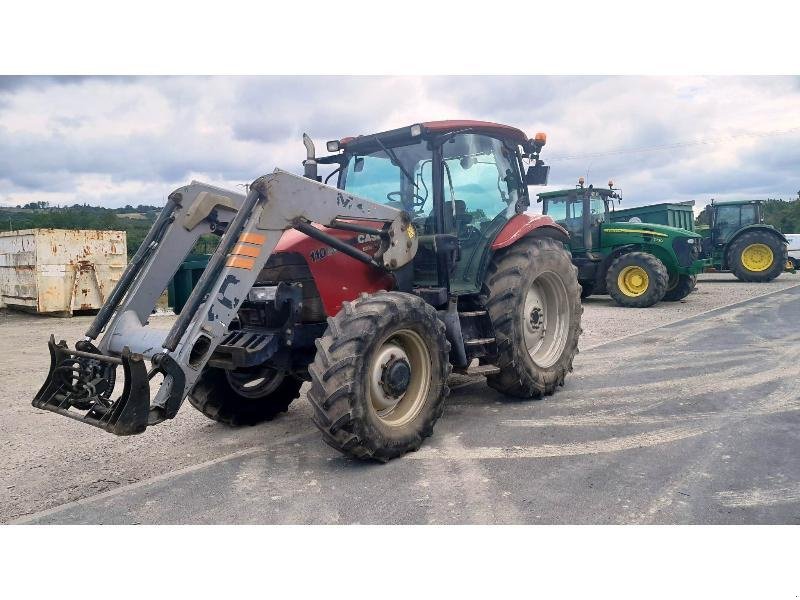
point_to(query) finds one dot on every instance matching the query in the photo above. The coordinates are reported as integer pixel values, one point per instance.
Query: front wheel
(532, 296)
(637, 280)
(757, 256)
(379, 379)
(680, 286)
(244, 397)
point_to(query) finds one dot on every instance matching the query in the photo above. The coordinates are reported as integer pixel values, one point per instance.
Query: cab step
(479, 341)
(478, 370)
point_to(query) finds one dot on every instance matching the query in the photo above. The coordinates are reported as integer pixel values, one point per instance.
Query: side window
(727, 221)
(481, 182)
(748, 214)
(598, 209)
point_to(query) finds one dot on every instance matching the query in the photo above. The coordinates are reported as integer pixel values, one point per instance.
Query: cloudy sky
(117, 141)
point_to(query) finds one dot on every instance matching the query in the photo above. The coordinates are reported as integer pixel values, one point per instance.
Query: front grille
(684, 251)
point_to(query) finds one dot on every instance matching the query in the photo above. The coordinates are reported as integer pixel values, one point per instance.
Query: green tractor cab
(638, 264)
(736, 239)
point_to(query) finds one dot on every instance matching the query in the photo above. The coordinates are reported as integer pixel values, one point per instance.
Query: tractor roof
(572, 192)
(440, 127)
(715, 203)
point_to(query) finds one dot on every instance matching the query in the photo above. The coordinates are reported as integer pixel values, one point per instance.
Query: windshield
(567, 208)
(400, 178)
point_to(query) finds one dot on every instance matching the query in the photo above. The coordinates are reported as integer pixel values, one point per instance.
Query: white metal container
(60, 270)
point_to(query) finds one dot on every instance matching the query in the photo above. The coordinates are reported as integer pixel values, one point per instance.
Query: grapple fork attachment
(80, 384)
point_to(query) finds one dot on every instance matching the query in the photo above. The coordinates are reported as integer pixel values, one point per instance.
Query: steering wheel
(418, 200)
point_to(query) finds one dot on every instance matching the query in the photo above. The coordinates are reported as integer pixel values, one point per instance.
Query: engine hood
(647, 228)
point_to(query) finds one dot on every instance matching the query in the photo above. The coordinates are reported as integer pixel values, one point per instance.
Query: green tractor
(637, 264)
(736, 239)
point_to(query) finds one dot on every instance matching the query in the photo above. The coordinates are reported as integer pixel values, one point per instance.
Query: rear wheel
(379, 379)
(757, 256)
(533, 299)
(637, 280)
(679, 286)
(244, 397)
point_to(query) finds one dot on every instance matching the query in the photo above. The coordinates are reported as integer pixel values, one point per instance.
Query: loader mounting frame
(83, 379)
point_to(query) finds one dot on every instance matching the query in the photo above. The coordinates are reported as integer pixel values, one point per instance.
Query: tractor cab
(727, 218)
(581, 211)
(460, 182)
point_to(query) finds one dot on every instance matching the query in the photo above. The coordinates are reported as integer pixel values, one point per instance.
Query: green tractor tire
(680, 286)
(637, 280)
(757, 256)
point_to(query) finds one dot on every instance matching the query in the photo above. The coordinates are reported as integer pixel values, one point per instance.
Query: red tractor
(420, 260)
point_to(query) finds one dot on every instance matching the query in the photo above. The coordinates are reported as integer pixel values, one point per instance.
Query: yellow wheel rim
(633, 281)
(757, 257)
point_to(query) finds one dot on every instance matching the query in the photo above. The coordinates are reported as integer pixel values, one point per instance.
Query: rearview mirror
(537, 175)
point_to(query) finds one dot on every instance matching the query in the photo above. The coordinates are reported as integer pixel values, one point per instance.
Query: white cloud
(114, 141)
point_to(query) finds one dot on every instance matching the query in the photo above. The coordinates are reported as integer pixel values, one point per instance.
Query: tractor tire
(757, 256)
(379, 379)
(238, 398)
(679, 287)
(586, 289)
(637, 280)
(532, 295)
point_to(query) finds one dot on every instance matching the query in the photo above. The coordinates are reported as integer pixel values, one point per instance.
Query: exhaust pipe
(310, 163)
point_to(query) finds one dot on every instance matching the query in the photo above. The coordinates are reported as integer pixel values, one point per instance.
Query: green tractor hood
(651, 232)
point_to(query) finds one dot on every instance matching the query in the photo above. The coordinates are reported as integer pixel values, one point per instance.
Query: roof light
(611, 183)
(581, 181)
(333, 146)
(540, 137)
(416, 130)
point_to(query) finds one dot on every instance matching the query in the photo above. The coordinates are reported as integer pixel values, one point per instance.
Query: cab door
(482, 185)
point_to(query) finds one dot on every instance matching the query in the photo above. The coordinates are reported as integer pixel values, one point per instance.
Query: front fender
(521, 225)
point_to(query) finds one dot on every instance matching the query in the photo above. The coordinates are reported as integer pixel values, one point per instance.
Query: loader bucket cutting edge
(75, 383)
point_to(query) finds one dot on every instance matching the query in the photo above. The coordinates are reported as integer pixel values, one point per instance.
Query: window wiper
(396, 162)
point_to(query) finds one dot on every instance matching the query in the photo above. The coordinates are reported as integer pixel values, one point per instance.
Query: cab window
(399, 177)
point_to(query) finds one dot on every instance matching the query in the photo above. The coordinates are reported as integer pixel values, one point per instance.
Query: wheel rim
(545, 319)
(633, 281)
(399, 378)
(757, 257)
(256, 384)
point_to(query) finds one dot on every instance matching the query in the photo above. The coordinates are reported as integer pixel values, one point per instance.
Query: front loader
(419, 261)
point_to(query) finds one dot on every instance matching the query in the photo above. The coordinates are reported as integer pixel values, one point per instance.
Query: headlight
(262, 294)
(690, 241)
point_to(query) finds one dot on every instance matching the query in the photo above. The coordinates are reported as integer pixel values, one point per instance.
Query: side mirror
(358, 166)
(537, 174)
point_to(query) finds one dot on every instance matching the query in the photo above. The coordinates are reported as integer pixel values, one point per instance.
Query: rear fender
(524, 225)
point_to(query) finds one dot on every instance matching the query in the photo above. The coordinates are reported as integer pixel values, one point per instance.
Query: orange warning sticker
(243, 250)
(253, 238)
(240, 262)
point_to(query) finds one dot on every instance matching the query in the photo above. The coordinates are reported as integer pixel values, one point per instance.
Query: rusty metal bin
(60, 271)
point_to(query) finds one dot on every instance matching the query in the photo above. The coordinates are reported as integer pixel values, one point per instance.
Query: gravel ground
(49, 460)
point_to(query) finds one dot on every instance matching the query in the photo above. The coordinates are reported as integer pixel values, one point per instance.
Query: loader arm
(83, 379)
